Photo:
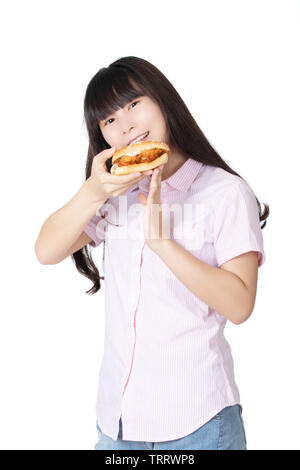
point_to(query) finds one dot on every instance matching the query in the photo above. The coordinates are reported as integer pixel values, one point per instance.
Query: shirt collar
(181, 180)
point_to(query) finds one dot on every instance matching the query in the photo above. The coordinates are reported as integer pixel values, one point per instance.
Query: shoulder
(233, 202)
(218, 186)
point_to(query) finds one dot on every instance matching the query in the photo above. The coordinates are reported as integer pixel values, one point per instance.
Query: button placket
(136, 279)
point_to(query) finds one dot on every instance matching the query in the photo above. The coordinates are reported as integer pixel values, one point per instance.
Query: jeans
(225, 431)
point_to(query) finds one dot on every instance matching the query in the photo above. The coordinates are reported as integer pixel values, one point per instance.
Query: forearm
(221, 290)
(63, 227)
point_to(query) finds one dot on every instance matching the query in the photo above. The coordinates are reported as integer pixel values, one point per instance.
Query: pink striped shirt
(167, 368)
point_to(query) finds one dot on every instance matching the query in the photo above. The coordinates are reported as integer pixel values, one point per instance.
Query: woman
(167, 376)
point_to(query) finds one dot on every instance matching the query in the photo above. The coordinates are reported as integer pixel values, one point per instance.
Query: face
(136, 118)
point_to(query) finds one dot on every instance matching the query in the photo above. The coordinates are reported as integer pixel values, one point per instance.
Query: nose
(129, 135)
(128, 132)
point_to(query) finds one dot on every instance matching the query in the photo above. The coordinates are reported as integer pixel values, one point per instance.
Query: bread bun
(141, 156)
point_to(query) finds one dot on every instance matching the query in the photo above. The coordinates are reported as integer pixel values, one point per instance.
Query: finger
(147, 173)
(154, 195)
(131, 183)
(142, 198)
(130, 179)
(160, 171)
(105, 155)
(156, 180)
(157, 173)
(155, 188)
(123, 179)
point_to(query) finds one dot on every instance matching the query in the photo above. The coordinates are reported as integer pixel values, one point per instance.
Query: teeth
(139, 138)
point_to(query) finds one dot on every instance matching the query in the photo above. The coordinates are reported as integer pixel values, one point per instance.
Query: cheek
(108, 135)
(104, 133)
(157, 121)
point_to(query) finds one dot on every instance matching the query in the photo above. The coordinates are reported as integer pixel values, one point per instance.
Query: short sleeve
(96, 228)
(236, 224)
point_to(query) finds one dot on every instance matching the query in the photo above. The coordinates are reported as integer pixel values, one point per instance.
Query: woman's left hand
(153, 223)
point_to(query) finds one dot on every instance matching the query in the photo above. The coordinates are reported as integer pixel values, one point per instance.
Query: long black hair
(112, 88)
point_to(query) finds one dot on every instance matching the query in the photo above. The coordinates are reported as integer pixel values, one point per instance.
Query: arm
(63, 230)
(230, 289)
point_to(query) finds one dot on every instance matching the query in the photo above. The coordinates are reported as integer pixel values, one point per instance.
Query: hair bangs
(110, 90)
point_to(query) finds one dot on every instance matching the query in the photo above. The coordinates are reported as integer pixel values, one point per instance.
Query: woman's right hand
(103, 184)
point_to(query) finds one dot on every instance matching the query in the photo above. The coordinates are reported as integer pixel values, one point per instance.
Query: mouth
(139, 138)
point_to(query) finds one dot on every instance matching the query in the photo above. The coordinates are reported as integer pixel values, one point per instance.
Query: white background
(236, 66)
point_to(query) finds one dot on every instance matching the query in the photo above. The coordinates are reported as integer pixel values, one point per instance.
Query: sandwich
(138, 157)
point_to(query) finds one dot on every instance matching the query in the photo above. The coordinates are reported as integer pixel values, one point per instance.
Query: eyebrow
(111, 114)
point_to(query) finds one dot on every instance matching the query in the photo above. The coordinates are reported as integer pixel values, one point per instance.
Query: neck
(175, 161)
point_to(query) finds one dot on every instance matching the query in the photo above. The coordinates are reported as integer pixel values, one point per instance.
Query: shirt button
(163, 184)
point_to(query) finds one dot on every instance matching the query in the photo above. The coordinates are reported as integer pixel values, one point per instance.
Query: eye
(108, 120)
(135, 102)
